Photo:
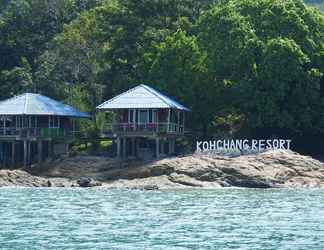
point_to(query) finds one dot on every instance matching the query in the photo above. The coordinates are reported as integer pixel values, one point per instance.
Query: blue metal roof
(139, 97)
(36, 104)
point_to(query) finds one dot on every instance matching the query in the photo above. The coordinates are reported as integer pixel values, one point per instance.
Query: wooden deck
(144, 129)
(9, 134)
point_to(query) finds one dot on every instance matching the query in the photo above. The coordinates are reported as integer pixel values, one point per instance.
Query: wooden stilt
(162, 147)
(29, 144)
(40, 151)
(50, 149)
(13, 154)
(133, 147)
(173, 146)
(1, 154)
(157, 147)
(136, 148)
(25, 153)
(118, 147)
(124, 148)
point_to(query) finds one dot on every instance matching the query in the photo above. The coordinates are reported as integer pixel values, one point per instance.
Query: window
(143, 116)
(53, 122)
(154, 116)
(131, 116)
(32, 122)
(150, 116)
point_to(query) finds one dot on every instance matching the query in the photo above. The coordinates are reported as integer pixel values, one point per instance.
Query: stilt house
(33, 127)
(145, 122)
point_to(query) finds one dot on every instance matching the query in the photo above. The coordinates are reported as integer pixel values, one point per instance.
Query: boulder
(150, 187)
(275, 168)
(87, 182)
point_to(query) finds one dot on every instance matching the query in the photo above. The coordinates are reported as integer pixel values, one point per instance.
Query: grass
(85, 147)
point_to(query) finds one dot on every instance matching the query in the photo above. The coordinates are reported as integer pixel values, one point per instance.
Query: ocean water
(179, 219)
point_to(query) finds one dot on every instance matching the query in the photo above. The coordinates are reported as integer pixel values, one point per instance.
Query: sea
(227, 218)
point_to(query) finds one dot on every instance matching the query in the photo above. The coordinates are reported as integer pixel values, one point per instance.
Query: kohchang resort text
(245, 144)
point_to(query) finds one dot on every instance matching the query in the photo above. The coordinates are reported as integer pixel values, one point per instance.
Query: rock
(150, 187)
(20, 178)
(84, 182)
(249, 183)
(276, 168)
(185, 180)
(88, 182)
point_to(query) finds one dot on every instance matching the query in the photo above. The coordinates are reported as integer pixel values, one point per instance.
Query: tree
(123, 31)
(16, 80)
(28, 26)
(177, 66)
(271, 54)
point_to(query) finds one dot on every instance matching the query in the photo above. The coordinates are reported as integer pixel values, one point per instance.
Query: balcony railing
(37, 132)
(171, 128)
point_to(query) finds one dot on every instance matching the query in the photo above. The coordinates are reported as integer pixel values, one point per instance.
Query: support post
(124, 148)
(25, 153)
(13, 154)
(133, 147)
(170, 146)
(40, 151)
(1, 155)
(173, 146)
(29, 148)
(67, 148)
(50, 149)
(136, 148)
(157, 147)
(162, 147)
(118, 147)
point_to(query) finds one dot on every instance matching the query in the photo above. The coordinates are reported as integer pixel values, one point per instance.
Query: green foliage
(112, 38)
(28, 26)
(177, 66)
(17, 80)
(240, 65)
(268, 51)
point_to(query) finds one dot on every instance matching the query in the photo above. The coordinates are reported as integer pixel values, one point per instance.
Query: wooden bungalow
(33, 127)
(145, 122)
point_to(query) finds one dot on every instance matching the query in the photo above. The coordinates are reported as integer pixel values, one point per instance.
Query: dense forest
(244, 67)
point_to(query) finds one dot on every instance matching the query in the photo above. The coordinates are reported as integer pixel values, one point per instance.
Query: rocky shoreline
(272, 169)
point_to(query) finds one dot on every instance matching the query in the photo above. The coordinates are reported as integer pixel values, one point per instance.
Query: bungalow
(35, 125)
(145, 122)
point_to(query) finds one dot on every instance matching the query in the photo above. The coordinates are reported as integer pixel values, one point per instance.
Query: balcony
(48, 133)
(144, 128)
